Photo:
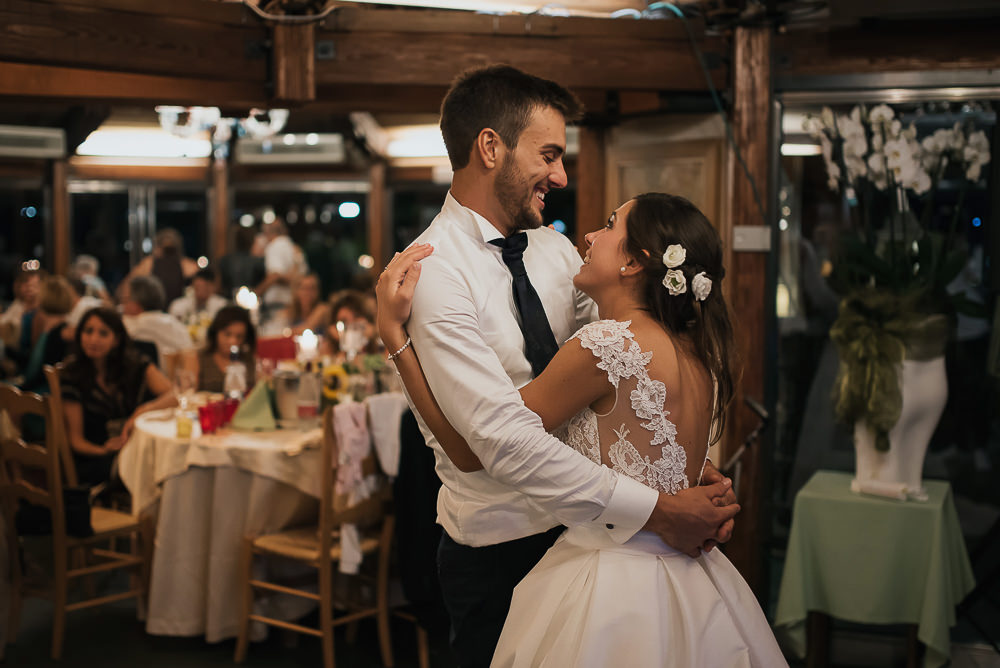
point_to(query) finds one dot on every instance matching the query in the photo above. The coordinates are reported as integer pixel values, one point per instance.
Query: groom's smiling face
(531, 169)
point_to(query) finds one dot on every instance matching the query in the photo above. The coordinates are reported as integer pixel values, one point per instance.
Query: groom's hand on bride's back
(692, 517)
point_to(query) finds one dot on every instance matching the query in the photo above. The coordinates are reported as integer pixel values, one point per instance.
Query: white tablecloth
(208, 492)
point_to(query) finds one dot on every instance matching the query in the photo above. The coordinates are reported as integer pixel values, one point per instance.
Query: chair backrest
(31, 471)
(53, 375)
(149, 349)
(337, 509)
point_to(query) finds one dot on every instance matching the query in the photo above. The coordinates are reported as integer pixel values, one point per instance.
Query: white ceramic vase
(899, 471)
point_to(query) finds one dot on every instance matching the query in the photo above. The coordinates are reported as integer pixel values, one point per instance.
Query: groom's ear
(488, 148)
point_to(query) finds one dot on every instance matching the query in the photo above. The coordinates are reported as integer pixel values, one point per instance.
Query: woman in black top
(103, 386)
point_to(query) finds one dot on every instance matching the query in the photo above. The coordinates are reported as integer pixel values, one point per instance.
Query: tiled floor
(112, 637)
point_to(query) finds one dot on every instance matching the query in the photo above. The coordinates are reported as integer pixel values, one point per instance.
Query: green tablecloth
(873, 560)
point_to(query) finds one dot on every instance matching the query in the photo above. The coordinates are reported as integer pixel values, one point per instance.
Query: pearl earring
(623, 270)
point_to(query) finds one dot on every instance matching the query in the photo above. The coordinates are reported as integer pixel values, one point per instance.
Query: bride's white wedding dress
(593, 602)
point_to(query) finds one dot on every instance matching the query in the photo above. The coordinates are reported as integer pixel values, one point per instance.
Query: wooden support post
(219, 223)
(379, 225)
(294, 62)
(591, 208)
(60, 239)
(748, 288)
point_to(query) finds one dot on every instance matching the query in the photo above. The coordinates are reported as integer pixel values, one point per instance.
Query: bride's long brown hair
(658, 220)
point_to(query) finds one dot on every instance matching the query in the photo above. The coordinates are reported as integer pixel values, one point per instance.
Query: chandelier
(189, 121)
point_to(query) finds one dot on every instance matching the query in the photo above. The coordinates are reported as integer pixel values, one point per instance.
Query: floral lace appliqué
(580, 433)
(614, 345)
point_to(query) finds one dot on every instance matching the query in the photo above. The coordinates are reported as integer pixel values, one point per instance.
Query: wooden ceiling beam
(896, 46)
(199, 10)
(436, 58)
(384, 19)
(181, 170)
(369, 59)
(294, 58)
(72, 35)
(43, 82)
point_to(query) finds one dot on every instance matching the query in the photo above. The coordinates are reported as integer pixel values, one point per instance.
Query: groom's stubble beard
(515, 194)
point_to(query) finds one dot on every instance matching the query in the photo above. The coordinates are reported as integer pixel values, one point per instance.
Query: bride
(644, 391)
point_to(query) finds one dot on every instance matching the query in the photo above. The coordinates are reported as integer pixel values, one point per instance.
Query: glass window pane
(330, 227)
(100, 224)
(830, 192)
(23, 220)
(187, 212)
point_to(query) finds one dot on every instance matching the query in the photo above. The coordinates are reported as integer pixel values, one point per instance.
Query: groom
(505, 132)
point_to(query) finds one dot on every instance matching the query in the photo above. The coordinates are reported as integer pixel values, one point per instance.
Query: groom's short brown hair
(500, 97)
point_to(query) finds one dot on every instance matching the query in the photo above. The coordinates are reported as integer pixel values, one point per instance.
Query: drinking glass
(208, 418)
(352, 338)
(185, 383)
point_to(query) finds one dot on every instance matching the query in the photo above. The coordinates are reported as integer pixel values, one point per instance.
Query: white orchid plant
(880, 166)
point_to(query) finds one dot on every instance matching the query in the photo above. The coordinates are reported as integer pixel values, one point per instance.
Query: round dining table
(206, 492)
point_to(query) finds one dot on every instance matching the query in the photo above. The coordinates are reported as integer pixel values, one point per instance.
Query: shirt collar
(473, 223)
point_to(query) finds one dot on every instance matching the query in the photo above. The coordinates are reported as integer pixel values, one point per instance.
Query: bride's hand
(394, 293)
(710, 476)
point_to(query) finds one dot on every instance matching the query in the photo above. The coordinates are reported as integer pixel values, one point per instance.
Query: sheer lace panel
(636, 438)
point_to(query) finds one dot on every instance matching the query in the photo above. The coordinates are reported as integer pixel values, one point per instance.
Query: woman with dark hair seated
(347, 308)
(103, 386)
(231, 327)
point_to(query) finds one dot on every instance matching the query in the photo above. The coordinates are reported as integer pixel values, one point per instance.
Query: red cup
(207, 418)
(229, 406)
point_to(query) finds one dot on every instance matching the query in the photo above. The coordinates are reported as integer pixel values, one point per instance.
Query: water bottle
(235, 384)
(308, 398)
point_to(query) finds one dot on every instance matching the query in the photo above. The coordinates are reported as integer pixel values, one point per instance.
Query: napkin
(255, 410)
(386, 411)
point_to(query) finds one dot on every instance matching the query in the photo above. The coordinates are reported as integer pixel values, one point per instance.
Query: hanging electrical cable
(715, 99)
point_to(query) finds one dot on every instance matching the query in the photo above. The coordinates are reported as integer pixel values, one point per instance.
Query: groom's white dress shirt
(465, 332)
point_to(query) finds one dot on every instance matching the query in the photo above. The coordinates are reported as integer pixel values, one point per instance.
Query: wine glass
(352, 338)
(185, 383)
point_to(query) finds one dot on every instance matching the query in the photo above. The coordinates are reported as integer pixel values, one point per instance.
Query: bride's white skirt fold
(592, 602)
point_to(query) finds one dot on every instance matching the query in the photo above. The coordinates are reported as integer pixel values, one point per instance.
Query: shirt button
(610, 526)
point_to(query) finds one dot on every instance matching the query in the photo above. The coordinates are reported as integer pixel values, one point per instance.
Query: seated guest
(83, 303)
(27, 283)
(231, 327)
(198, 305)
(85, 268)
(104, 385)
(308, 311)
(55, 300)
(348, 307)
(142, 307)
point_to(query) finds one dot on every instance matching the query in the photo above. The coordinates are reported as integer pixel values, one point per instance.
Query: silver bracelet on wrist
(400, 351)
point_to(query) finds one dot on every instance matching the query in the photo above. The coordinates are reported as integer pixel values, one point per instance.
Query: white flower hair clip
(701, 286)
(675, 282)
(674, 256)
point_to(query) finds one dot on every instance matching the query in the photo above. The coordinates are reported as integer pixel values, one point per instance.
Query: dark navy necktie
(539, 342)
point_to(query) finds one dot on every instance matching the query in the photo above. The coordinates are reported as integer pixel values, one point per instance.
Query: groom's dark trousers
(477, 584)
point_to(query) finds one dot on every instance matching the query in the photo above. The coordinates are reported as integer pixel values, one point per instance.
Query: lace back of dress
(658, 430)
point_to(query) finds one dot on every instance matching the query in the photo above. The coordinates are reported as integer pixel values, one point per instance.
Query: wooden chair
(319, 547)
(33, 473)
(117, 498)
